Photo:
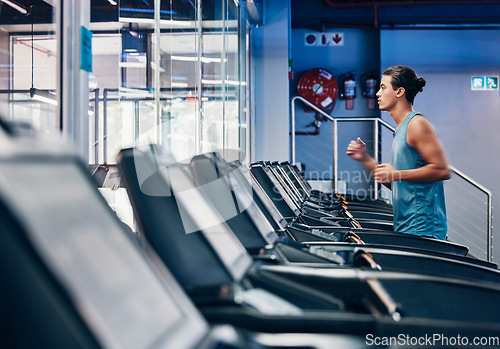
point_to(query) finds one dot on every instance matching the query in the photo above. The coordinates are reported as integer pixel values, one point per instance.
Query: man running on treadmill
(418, 165)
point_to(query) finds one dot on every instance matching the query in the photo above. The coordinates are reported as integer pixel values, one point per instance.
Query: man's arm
(421, 136)
(357, 151)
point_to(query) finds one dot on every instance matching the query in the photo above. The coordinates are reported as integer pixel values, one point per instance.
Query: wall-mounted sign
(86, 50)
(484, 83)
(324, 39)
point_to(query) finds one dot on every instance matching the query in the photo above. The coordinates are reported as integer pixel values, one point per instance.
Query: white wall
(271, 96)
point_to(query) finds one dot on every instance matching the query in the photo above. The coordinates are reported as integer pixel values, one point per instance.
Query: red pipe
(48, 53)
(344, 25)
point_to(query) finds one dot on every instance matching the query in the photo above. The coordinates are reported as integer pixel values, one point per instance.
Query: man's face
(386, 94)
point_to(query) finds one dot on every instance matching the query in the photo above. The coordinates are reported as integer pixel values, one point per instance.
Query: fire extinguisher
(369, 85)
(348, 89)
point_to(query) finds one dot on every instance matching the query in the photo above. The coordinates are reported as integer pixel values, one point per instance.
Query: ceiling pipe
(345, 25)
(357, 26)
(409, 3)
(377, 4)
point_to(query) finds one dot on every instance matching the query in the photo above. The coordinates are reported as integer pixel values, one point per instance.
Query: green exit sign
(484, 83)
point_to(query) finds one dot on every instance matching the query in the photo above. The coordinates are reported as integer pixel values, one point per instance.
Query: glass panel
(232, 81)
(136, 94)
(105, 139)
(212, 78)
(198, 105)
(179, 77)
(29, 75)
(221, 80)
(201, 75)
(244, 71)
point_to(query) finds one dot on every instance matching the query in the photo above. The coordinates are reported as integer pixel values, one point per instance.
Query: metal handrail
(376, 123)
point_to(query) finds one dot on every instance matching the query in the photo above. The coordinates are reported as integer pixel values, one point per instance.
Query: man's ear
(401, 92)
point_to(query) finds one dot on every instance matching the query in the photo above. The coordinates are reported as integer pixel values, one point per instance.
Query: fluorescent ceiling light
(194, 59)
(134, 93)
(219, 82)
(114, 3)
(16, 6)
(211, 82)
(184, 58)
(42, 96)
(45, 99)
(163, 22)
(132, 64)
(212, 60)
(179, 84)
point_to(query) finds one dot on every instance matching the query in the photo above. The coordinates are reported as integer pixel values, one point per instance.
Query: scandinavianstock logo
(207, 189)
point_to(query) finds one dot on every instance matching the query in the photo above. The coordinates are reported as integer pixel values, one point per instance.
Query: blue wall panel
(467, 122)
(359, 54)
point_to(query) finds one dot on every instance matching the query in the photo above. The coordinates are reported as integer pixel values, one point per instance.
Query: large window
(28, 57)
(183, 65)
(173, 75)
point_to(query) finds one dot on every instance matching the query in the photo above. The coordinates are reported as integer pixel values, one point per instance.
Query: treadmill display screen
(199, 215)
(267, 202)
(243, 191)
(113, 287)
(283, 194)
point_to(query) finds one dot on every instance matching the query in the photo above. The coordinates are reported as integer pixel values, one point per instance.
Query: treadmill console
(111, 283)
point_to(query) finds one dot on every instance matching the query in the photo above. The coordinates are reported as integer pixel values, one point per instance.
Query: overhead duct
(352, 4)
(408, 3)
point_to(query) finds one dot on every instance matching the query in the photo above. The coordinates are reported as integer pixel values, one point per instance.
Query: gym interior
(173, 174)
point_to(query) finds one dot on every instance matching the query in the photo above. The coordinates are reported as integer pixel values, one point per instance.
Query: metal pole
(335, 156)
(198, 131)
(292, 127)
(105, 126)
(489, 252)
(96, 126)
(156, 71)
(375, 156)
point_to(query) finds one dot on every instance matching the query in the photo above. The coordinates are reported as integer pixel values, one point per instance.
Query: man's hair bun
(420, 84)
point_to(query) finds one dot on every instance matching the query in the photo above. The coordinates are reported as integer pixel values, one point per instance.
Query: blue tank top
(419, 207)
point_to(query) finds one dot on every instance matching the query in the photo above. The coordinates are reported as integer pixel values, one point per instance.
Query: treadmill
(290, 213)
(231, 194)
(370, 236)
(324, 208)
(74, 277)
(354, 203)
(194, 243)
(372, 240)
(315, 213)
(308, 235)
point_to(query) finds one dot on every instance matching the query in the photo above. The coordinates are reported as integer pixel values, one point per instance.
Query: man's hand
(357, 150)
(386, 173)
